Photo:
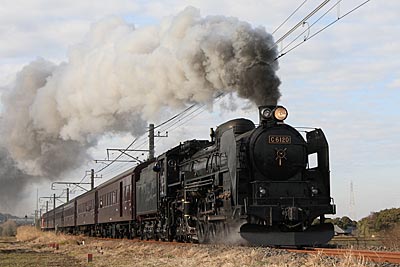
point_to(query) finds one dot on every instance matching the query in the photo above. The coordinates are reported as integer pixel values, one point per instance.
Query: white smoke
(119, 77)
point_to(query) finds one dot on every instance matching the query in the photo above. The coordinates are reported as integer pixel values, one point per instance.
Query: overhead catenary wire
(161, 124)
(310, 26)
(194, 114)
(192, 106)
(177, 122)
(289, 17)
(180, 114)
(176, 116)
(282, 38)
(83, 178)
(312, 13)
(180, 117)
(170, 126)
(120, 155)
(321, 30)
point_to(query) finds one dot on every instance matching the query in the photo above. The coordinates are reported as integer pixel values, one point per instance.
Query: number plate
(279, 139)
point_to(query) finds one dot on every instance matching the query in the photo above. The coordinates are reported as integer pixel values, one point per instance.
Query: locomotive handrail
(200, 183)
(208, 175)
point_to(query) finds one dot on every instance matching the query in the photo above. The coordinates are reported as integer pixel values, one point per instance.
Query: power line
(176, 116)
(122, 152)
(302, 21)
(290, 16)
(321, 30)
(192, 106)
(83, 178)
(314, 23)
(181, 115)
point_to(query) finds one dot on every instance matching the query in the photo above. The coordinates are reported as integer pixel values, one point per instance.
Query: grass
(19, 258)
(31, 248)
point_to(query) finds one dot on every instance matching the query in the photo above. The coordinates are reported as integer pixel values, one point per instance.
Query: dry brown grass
(32, 234)
(128, 253)
(136, 253)
(391, 239)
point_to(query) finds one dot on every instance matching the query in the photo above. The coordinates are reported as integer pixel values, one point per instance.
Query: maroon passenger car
(115, 207)
(86, 212)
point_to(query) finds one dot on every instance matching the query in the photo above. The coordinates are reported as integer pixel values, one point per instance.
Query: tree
(383, 220)
(344, 222)
(9, 228)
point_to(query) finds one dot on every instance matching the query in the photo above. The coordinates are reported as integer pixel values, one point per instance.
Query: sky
(345, 80)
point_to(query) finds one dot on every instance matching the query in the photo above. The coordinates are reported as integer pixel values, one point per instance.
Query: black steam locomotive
(256, 179)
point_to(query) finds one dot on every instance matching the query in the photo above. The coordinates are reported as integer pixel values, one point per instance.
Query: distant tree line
(344, 222)
(5, 216)
(381, 221)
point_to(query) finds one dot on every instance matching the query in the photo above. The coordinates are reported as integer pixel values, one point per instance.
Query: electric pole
(151, 141)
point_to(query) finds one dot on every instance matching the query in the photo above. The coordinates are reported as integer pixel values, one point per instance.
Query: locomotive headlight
(266, 113)
(262, 191)
(280, 113)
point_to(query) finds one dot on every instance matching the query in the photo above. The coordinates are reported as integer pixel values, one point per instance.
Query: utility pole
(54, 211)
(67, 194)
(92, 178)
(151, 141)
(37, 208)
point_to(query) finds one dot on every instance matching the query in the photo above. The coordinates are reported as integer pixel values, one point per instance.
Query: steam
(119, 77)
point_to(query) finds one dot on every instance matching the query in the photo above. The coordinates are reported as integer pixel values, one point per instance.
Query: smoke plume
(119, 77)
(13, 182)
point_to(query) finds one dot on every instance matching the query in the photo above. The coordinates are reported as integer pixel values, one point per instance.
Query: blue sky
(346, 80)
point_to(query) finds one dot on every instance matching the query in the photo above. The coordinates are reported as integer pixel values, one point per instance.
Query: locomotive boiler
(286, 193)
(258, 181)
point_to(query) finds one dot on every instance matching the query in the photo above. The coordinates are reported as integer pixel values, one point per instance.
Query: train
(269, 183)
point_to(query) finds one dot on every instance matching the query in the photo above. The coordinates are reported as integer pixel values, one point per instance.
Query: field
(34, 248)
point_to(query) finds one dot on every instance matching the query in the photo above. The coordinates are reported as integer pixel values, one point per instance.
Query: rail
(368, 255)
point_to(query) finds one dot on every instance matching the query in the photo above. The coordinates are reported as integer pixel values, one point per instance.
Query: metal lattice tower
(352, 204)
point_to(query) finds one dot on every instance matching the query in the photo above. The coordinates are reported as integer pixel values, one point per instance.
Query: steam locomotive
(256, 180)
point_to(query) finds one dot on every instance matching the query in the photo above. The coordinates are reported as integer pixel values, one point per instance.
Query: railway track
(368, 255)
